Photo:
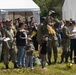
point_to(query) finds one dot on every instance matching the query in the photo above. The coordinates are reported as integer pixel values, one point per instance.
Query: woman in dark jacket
(21, 37)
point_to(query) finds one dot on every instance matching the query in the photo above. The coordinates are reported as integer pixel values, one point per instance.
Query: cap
(45, 36)
(50, 24)
(8, 20)
(43, 19)
(73, 22)
(29, 39)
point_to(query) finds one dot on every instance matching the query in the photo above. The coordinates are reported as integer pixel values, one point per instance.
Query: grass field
(53, 69)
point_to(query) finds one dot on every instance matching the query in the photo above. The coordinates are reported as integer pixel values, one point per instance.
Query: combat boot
(66, 60)
(16, 65)
(75, 60)
(7, 67)
(49, 62)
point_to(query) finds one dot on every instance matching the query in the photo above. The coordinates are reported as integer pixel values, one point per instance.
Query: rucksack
(36, 61)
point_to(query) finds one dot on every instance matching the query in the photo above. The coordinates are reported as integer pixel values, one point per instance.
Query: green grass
(53, 69)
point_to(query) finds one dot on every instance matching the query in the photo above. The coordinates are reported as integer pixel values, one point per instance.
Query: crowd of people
(21, 39)
(18, 42)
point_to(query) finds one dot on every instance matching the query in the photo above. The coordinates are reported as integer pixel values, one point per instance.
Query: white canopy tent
(69, 10)
(21, 6)
(3, 14)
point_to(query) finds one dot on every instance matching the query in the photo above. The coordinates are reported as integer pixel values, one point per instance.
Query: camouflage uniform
(52, 45)
(52, 42)
(40, 34)
(9, 47)
(65, 43)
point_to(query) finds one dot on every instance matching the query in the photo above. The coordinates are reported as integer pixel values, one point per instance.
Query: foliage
(47, 5)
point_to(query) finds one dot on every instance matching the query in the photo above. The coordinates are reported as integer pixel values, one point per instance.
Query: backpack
(36, 61)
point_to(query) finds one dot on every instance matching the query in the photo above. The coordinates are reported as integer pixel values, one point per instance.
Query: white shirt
(73, 32)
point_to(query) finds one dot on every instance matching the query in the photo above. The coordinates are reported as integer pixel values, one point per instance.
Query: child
(43, 51)
(29, 53)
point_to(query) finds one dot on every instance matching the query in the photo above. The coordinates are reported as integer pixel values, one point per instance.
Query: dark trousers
(35, 43)
(49, 52)
(73, 48)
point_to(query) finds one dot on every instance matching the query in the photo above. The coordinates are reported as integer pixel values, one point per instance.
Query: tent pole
(13, 16)
(25, 14)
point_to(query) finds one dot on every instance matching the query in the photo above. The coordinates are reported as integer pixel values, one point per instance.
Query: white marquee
(69, 10)
(20, 6)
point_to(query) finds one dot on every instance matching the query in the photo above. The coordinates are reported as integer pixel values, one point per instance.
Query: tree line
(47, 5)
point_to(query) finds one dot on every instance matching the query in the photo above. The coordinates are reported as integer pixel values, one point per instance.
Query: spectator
(43, 51)
(34, 36)
(73, 40)
(21, 37)
(65, 42)
(8, 46)
(26, 20)
(29, 54)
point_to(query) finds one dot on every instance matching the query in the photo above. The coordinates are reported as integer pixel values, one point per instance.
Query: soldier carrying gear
(9, 45)
(46, 29)
(52, 44)
(65, 42)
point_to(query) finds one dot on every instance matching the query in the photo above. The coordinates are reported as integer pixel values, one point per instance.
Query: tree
(47, 5)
